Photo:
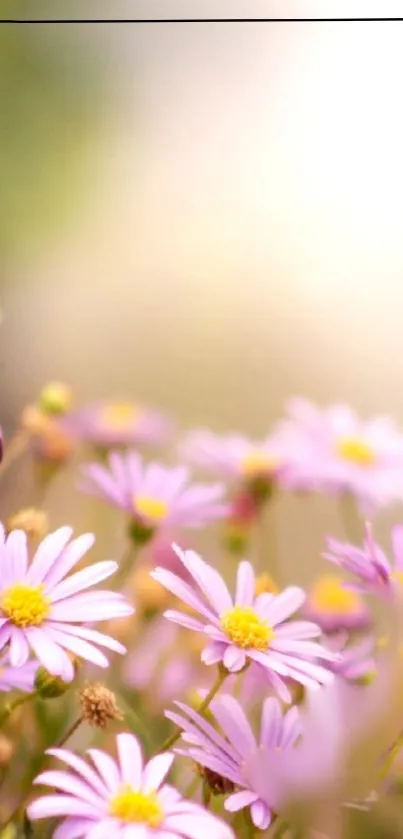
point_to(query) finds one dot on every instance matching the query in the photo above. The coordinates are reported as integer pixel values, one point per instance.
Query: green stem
(206, 794)
(126, 565)
(351, 521)
(191, 789)
(222, 675)
(391, 754)
(14, 449)
(10, 707)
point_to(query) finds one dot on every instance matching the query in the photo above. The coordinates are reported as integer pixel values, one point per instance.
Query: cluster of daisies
(295, 656)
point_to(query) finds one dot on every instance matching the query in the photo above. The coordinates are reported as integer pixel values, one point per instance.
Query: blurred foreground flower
(110, 423)
(369, 565)
(17, 678)
(39, 608)
(332, 450)
(224, 755)
(248, 627)
(154, 496)
(123, 799)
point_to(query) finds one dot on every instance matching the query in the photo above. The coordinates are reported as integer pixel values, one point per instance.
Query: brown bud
(98, 705)
(32, 521)
(215, 782)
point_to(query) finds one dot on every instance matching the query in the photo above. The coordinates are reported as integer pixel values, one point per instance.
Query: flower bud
(32, 521)
(55, 398)
(49, 686)
(98, 705)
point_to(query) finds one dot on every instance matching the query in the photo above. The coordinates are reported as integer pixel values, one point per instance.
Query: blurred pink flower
(121, 799)
(333, 607)
(356, 661)
(39, 608)
(332, 450)
(235, 457)
(17, 678)
(225, 754)
(373, 572)
(156, 497)
(248, 628)
(110, 423)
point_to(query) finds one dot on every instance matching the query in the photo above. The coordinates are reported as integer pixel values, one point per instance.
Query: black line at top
(210, 20)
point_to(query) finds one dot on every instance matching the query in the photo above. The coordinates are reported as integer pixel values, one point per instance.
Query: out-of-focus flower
(334, 607)
(154, 496)
(121, 799)
(55, 398)
(39, 608)
(225, 754)
(161, 664)
(111, 423)
(372, 570)
(248, 628)
(332, 450)
(256, 465)
(33, 522)
(49, 439)
(17, 678)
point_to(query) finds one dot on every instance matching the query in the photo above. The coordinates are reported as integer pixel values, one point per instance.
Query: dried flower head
(215, 782)
(98, 705)
(33, 522)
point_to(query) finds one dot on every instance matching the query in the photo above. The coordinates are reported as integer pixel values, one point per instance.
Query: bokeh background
(204, 216)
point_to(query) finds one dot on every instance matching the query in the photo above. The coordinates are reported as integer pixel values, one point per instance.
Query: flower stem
(391, 754)
(125, 566)
(70, 731)
(222, 675)
(14, 449)
(350, 518)
(10, 707)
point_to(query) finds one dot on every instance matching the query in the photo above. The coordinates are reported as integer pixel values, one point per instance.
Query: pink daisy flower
(334, 608)
(111, 423)
(225, 755)
(17, 678)
(372, 570)
(43, 611)
(121, 799)
(153, 495)
(331, 449)
(248, 628)
(356, 661)
(234, 457)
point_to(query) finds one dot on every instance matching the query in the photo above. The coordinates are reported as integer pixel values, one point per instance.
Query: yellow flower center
(257, 463)
(119, 415)
(265, 584)
(328, 595)
(356, 451)
(245, 629)
(130, 805)
(152, 509)
(25, 605)
(397, 576)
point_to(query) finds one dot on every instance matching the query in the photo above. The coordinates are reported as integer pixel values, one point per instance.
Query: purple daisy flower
(110, 423)
(334, 608)
(42, 611)
(332, 450)
(226, 754)
(121, 799)
(233, 456)
(356, 662)
(248, 628)
(369, 565)
(17, 678)
(153, 495)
